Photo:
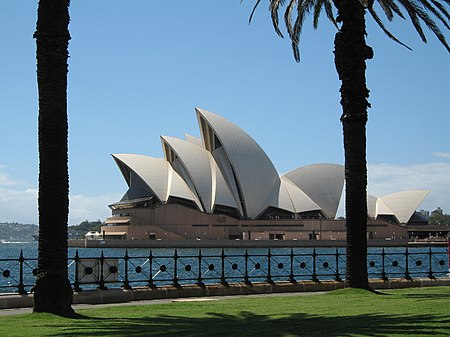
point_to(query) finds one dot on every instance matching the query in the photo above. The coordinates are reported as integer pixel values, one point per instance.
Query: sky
(137, 70)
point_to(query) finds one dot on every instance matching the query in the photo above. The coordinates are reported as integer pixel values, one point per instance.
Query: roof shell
(193, 139)
(403, 204)
(227, 167)
(201, 170)
(159, 176)
(299, 200)
(252, 170)
(323, 183)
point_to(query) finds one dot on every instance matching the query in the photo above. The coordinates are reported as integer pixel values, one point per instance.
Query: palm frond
(436, 13)
(393, 6)
(441, 8)
(386, 9)
(288, 17)
(432, 25)
(329, 11)
(416, 13)
(317, 9)
(274, 6)
(387, 32)
(303, 8)
(411, 8)
(318, 6)
(253, 11)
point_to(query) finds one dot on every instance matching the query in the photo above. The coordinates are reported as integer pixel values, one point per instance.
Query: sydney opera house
(224, 186)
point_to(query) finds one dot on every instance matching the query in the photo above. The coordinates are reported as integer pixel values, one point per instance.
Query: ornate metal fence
(177, 268)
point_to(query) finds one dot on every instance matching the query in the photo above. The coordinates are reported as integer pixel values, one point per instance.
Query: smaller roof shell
(158, 175)
(200, 170)
(323, 183)
(403, 204)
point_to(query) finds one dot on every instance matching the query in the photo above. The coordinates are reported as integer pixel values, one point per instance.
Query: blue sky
(138, 68)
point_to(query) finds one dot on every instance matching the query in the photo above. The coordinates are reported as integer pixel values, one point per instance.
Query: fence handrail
(179, 268)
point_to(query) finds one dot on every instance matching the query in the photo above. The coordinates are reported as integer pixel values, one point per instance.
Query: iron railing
(224, 267)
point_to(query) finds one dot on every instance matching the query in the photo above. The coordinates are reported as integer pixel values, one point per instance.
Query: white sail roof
(403, 204)
(323, 183)
(228, 168)
(157, 174)
(200, 172)
(193, 139)
(300, 201)
(248, 165)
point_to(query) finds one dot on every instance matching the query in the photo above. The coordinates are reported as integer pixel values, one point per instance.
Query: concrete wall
(9, 301)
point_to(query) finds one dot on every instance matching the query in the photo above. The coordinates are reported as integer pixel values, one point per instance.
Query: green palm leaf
(418, 12)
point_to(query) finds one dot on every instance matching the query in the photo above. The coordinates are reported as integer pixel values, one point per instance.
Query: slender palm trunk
(53, 292)
(351, 53)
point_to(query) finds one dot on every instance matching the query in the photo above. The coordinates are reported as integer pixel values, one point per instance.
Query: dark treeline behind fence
(209, 266)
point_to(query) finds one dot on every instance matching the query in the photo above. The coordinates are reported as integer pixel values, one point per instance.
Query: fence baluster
(200, 278)
(126, 283)
(314, 275)
(291, 275)
(175, 269)
(246, 278)
(151, 282)
(269, 273)
(102, 280)
(337, 275)
(76, 284)
(430, 260)
(222, 277)
(407, 276)
(21, 288)
(383, 271)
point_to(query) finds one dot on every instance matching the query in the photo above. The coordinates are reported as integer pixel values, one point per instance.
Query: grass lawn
(348, 312)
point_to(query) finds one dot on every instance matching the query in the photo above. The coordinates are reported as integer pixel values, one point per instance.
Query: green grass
(348, 312)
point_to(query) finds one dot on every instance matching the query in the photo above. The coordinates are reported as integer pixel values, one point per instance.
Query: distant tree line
(78, 231)
(14, 231)
(438, 218)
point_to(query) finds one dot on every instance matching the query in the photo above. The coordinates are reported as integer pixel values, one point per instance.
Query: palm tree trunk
(351, 53)
(53, 292)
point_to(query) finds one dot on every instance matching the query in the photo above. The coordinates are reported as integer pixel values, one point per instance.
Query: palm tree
(53, 292)
(350, 55)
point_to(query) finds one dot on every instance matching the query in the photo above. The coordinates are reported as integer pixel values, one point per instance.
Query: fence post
(126, 283)
(76, 284)
(337, 275)
(222, 277)
(151, 283)
(383, 271)
(21, 287)
(407, 276)
(175, 269)
(200, 278)
(291, 275)
(246, 278)
(102, 280)
(269, 274)
(314, 275)
(430, 260)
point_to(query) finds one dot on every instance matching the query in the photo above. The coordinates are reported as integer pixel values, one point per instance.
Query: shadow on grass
(427, 296)
(247, 324)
